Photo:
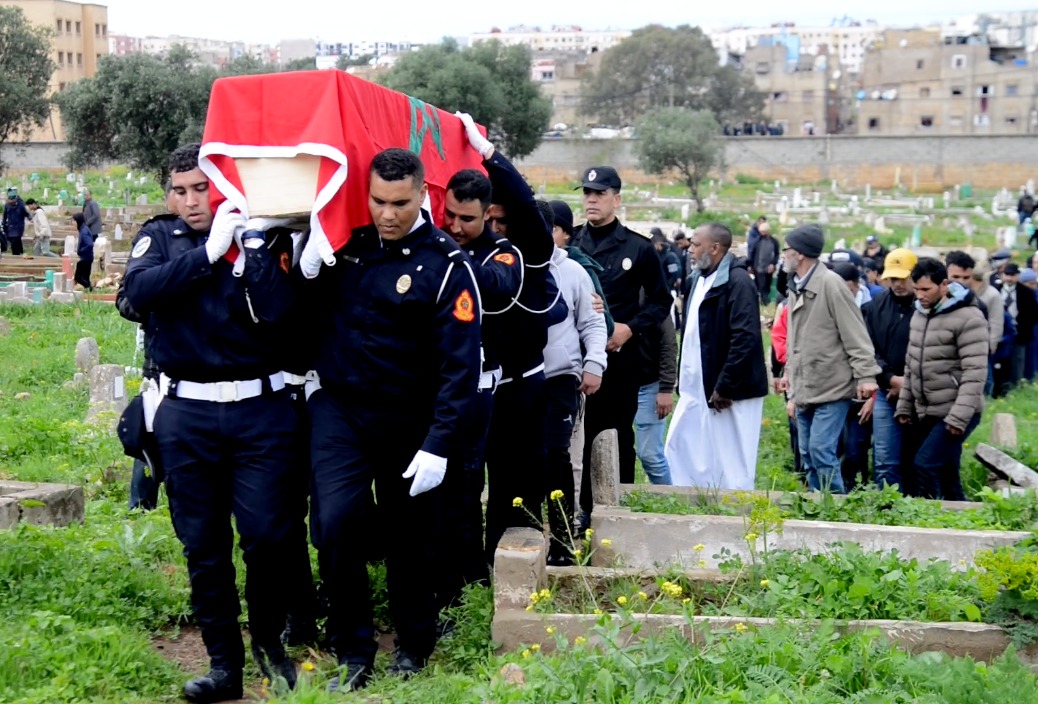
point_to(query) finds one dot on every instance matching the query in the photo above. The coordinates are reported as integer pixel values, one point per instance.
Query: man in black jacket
(1022, 305)
(716, 427)
(888, 318)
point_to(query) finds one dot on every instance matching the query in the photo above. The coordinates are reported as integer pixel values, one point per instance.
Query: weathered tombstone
(958, 192)
(605, 469)
(1005, 466)
(1030, 185)
(816, 197)
(5, 327)
(46, 193)
(70, 245)
(59, 282)
(1003, 431)
(823, 216)
(17, 289)
(107, 394)
(797, 198)
(947, 199)
(868, 191)
(118, 231)
(62, 297)
(88, 355)
(519, 568)
(832, 186)
(684, 212)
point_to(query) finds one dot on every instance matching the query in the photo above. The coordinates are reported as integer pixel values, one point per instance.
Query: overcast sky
(268, 21)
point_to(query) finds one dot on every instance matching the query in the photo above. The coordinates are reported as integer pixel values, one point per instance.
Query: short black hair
(719, 233)
(78, 217)
(31, 201)
(396, 164)
(873, 264)
(184, 158)
(930, 268)
(960, 259)
(471, 184)
(846, 271)
(679, 236)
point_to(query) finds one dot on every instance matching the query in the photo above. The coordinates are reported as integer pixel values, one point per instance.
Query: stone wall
(918, 163)
(33, 156)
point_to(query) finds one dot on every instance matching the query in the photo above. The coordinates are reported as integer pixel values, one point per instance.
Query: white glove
(310, 260)
(427, 470)
(480, 143)
(264, 224)
(221, 234)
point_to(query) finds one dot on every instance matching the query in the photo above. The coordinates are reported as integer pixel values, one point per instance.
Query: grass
(97, 181)
(80, 606)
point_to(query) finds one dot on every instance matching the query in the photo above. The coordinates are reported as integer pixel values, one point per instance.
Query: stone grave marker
(1003, 431)
(5, 327)
(107, 394)
(88, 355)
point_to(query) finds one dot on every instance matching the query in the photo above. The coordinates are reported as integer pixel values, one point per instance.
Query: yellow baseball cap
(899, 264)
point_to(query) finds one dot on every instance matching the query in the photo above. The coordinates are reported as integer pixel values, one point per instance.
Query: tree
(346, 62)
(660, 67)
(137, 109)
(490, 82)
(685, 141)
(734, 98)
(307, 63)
(26, 69)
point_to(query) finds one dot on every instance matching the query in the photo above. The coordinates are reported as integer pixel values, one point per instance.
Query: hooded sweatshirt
(582, 329)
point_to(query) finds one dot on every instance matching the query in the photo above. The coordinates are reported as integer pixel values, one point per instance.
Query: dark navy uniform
(399, 364)
(498, 270)
(221, 457)
(516, 459)
(636, 293)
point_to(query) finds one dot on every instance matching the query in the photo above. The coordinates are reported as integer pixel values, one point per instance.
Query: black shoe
(351, 677)
(274, 664)
(560, 559)
(583, 522)
(299, 632)
(406, 665)
(217, 686)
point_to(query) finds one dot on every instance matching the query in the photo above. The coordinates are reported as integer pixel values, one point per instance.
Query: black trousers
(356, 442)
(515, 458)
(82, 273)
(563, 402)
(614, 405)
(302, 604)
(16, 245)
(763, 286)
(462, 557)
(224, 459)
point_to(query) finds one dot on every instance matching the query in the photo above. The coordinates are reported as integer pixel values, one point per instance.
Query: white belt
(313, 383)
(528, 373)
(293, 379)
(221, 391)
(489, 380)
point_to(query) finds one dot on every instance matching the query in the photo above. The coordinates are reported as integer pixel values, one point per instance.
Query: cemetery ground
(99, 611)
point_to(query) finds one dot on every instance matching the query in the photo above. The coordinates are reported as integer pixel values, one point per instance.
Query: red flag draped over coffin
(336, 123)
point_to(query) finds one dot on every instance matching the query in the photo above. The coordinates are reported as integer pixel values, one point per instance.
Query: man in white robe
(722, 382)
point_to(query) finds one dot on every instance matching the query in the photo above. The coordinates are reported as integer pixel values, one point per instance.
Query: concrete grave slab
(40, 504)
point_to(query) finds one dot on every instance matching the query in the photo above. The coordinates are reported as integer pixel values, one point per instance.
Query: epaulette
(648, 237)
(160, 218)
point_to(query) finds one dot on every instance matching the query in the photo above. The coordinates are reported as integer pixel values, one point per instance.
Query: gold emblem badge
(403, 284)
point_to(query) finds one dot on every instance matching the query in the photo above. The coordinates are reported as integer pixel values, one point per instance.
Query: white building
(998, 28)
(564, 38)
(366, 47)
(845, 39)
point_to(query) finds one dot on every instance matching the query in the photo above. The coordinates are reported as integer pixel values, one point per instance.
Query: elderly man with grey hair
(91, 213)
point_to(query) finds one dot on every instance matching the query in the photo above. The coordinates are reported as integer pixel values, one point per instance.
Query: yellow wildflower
(535, 647)
(526, 653)
(579, 640)
(751, 537)
(588, 533)
(578, 553)
(686, 600)
(517, 502)
(643, 596)
(308, 666)
(266, 681)
(702, 563)
(557, 495)
(699, 548)
(550, 630)
(621, 600)
(740, 627)
(607, 543)
(545, 594)
(765, 583)
(671, 589)
(598, 612)
(530, 607)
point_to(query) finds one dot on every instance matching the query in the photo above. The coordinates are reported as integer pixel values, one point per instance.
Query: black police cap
(600, 178)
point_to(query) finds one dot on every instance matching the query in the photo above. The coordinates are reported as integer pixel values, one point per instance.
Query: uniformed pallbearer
(637, 296)
(398, 366)
(224, 424)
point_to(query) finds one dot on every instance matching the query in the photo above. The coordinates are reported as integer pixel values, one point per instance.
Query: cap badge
(592, 175)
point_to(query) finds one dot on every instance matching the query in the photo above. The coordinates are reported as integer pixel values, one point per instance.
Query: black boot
(217, 686)
(351, 677)
(298, 632)
(406, 665)
(274, 664)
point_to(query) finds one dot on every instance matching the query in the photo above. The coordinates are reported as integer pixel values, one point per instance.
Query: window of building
(61, 58)
(104, 30)
(98, 58)
(79, 59)
(61, 87)
(97, 30)
(68, 58)
(763, 67)
(68, 26)
(924, 92)
(79, 28)
(548, 76)
(61, 24)
(981, 120)
(985, 90)
(780, 97)
(926, 121)
(873, 123)
(919, 64)
(809, 96)
(955, 121)
(1012, 89)
(957, 91)
(958, 61)
(1012, 120)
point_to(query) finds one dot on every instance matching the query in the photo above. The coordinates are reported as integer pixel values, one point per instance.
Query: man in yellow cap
(888, 317)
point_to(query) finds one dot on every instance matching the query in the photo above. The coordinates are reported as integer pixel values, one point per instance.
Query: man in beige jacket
(945, 370)
(830, 356)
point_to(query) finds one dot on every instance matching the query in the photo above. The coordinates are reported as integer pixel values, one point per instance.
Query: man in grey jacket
(830, 356)
(91, 213)
(945, 370)
(568, 372)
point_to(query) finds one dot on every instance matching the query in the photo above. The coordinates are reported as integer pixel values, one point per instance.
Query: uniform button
(406, 252)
